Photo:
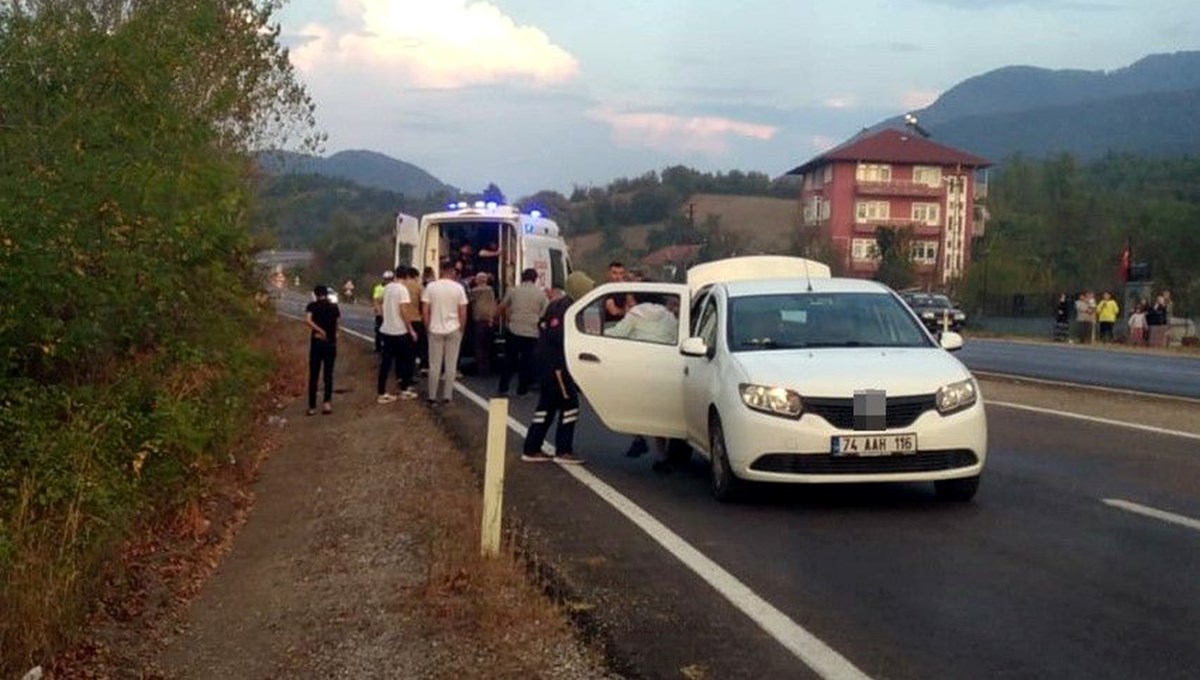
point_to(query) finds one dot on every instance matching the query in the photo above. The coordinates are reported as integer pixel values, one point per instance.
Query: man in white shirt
(444, 308)
(399, 339)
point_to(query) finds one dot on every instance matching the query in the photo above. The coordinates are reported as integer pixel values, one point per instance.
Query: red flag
(1126, 263)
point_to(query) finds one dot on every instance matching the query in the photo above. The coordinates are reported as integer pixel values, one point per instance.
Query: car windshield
(814, 320)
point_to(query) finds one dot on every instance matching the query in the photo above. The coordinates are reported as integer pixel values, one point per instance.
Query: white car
(780, 373)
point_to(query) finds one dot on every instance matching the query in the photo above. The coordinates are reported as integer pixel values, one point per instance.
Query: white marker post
(493, 476)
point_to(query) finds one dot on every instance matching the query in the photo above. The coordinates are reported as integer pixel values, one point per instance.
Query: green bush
(127, 284)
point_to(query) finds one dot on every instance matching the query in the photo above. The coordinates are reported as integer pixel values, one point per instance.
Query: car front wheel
(726, 487)
(959, 490)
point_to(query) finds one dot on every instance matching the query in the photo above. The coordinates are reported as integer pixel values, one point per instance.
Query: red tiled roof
(683, 252)
(893, 146)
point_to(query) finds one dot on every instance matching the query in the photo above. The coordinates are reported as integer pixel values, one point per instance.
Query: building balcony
(919, 228)
(897, 188)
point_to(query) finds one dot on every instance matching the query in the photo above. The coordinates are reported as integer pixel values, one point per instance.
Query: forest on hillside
(1058, 225)
(349, 227)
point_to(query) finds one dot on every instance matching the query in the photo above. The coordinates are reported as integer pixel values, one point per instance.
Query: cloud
(914, 100)
(840, 102)
(442, 44)
(664, 131)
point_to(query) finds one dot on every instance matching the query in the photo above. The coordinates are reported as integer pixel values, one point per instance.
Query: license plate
(874, 444)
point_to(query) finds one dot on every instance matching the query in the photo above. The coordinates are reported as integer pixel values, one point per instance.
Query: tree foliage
(126, 273)
(1059, 225)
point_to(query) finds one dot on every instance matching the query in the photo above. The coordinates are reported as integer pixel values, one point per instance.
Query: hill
(365, 168)
(1149, 107)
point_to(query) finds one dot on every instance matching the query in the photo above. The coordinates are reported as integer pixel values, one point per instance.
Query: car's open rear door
(634, 385)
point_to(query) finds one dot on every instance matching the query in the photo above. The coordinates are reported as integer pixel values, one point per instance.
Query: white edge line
(1093, 419)
(1145, 510)
(820, 657)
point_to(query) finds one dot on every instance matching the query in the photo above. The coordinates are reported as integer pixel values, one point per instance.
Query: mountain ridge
(362, 166)
(1146, 107)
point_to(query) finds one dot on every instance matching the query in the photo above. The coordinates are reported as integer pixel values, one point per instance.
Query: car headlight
(956, 396)
(777, 401)
(960, 316)
(927, 315)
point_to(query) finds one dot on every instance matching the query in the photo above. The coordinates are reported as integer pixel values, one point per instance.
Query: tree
(492, 194)
(895, 264)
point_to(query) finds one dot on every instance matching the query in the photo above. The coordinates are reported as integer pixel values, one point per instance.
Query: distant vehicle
(936, 311)
(520, 240)
(779, 373)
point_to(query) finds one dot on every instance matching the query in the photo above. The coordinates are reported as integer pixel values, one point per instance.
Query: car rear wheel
(957, 490)
(726, 487)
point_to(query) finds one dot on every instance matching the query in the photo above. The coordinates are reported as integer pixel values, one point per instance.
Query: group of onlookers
(1086, 320)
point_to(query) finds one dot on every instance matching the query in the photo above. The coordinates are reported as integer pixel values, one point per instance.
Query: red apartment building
(896, 178)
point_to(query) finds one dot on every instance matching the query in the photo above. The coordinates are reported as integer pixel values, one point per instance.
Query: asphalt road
(1145, 372)
(1039, 577)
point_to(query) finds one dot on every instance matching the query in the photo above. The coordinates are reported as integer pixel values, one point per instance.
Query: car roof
(800, 285)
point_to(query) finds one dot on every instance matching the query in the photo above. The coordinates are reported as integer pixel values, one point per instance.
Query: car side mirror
(950, 341)
(694, 347)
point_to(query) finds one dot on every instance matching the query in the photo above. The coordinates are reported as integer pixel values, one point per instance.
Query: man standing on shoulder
(559, 393)
(522, 306)
(398, 342)
(321, 316)
(377, 303)
(444, 308)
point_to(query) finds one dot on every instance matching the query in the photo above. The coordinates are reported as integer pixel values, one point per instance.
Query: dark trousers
(482, 337)
(1106, 331)
(321, 356)
(554, 398)
(378, 335)
(518, 358)
(397, 351)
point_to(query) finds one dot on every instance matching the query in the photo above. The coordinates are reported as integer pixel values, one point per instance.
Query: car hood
(838, 372)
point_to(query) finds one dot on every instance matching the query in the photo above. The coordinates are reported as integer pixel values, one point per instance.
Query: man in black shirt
(321, 315)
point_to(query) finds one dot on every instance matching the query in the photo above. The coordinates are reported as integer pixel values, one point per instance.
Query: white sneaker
(385, 399)
(409, 393)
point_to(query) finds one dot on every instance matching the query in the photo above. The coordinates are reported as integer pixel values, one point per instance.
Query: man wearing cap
(399, 339)
(377, 302)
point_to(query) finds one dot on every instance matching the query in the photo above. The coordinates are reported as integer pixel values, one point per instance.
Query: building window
(926, 213)
(865, 211)
(873, 172)
(863, 249)
(928, 175)
(923, 252)
(827, 175)
(824, 209)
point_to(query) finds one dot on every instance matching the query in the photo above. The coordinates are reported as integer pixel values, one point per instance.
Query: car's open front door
(631, 372)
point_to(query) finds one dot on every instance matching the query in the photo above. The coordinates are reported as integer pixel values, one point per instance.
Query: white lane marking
(1146, 510)
(812, 652)
(1094, 419)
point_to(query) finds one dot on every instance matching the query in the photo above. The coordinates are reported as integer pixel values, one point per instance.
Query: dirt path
(359, 558)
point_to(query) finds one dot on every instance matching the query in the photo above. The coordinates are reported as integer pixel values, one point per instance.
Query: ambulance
(503, 241)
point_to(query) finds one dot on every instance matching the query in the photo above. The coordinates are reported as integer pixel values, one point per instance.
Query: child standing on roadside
(321, 315)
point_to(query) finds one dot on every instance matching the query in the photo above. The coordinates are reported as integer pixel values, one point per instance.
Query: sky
(554, 94)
